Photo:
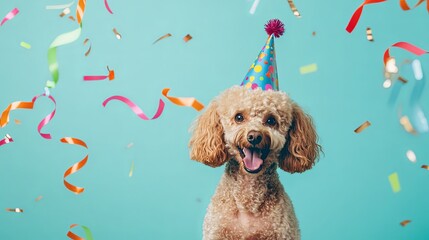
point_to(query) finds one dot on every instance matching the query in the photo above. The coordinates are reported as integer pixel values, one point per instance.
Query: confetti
(187, 38)
(405, 7)
(25, 45)
(65, 12)
(107, 7)
(390, 66)
(130, 174)
(411, 156)
(72, 18)
(183, 101)
(7, 139)
(53, 7)
(356, 15)
(405, 122)
(394, 182)
(111, 76)
(88, 234)
(38, 198)
(80, 10)
(387, 83)
(308, 68)
(135, 108)
(425, 167)
(77, 166)
(405, 223)
(417, 69)
(10, 15)
(369, 34)
(89, 49)
(117, 34)
(362, 127)
(130, 145)
(254, 6)
(313, 33)
(293, 8)
(17, 210)
(403, 80)
(17, 121)
(162, 37)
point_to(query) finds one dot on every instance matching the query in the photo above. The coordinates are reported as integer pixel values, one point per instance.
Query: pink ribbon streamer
(135, 108)
(10, 15)
(94, 78)
(7, 139)
(107, 7)
(47, 119)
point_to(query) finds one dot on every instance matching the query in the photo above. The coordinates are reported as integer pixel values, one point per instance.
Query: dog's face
(255, 128)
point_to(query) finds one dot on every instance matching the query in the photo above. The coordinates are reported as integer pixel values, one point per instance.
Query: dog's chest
(250, 224)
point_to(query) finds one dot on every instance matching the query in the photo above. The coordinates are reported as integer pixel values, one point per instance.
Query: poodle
(253, 132)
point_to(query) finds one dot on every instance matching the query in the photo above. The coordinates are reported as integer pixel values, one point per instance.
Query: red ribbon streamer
(7, 139)
(356, 15)
(111, 77)
(135, 108)
(405, 7)
(77, 166)
(107, 7)
(406, 46)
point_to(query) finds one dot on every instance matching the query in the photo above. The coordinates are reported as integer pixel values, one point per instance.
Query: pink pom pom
(276, 27)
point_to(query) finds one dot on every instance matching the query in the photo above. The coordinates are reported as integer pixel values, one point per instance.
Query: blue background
(347, 195)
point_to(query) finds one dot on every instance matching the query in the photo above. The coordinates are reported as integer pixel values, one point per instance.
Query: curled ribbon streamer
(62, 6)
(77, 166)
(183, 101)
(107, 7)
(10, 15)
(135, 108)
(73, 236)
(80, 10)
(356, 15)
(7, 139)
(111, 76)
(406, 46)
(4, 119)
(405, 7)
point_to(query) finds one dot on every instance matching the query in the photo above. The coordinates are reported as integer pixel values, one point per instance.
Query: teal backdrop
(347, 195)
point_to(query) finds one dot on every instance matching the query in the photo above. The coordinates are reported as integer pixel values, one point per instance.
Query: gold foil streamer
(405, 223)
(369, 34)
(187, 38)
(17, 210)
(362, 127)
(117, 34)
(293, 8)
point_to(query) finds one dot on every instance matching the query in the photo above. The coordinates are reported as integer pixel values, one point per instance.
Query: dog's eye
(271, 121)
(239, 118)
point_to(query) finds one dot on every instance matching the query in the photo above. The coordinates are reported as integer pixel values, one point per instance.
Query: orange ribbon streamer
(80, 10)
(405, 7)
(77, 166)
(73, 236)
(183, 101)
(406, 46)
(356, 15)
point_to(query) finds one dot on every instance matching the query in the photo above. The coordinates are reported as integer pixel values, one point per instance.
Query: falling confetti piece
(135, 108)
(411, 156)
(76, 167)
(107, 7)
(89, 49)
(187, 38)
(10, 15)
(362, 127)
(417, 69)
(254, 6)
(369, 34)
(313, 33)
(65, 12)
(17, 121)
(425, 167)
(394, 182)
(25, 45)
(17, 210)
(387, 83)
(62, 6)
(405, 122)
(293, 8)
(183, 101)
(165, 36)
(131, 169)
(356, 15)
(390, 66)
(130, 145)
(117, 34)
(72, 18)
(308, 68)
(38, 198)
(405, 223)
(111, 76)
(7, 139)
(405, 7)
(403, 80)
(88, 234)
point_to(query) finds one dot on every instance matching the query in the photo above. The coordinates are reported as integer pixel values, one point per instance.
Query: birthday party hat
(263, 72)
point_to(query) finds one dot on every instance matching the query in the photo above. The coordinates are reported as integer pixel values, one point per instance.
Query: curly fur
(253, 205)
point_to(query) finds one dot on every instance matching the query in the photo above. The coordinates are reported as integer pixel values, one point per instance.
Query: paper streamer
(356, 15)
(88, 234)
(183, 101)
(10, 15)
(406, 46)
(60, 6)
(135, 108)
(162, 37)
(25, 45)
(394, 182)
(308, 68)
(405, 7)
(7, 139)
(254, 6)
(111, 76)
(80, 10)
(17, 210)
(77, 166)
(107, 7)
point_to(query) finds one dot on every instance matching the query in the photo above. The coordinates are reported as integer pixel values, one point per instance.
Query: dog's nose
(254, 137)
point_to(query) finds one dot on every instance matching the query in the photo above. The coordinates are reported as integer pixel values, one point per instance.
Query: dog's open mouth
(253, 158)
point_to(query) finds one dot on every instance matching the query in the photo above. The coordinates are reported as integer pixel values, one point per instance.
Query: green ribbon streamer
(88, 234)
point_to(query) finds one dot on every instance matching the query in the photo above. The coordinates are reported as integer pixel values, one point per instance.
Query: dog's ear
(207, 143)
(301, 149)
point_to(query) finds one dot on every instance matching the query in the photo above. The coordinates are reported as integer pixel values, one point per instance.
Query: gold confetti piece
(362, 127)
(131, 169)
(425, 167)
(117, 34)
(313, 33)
(403, 80)
(293, 8)
(405, 122)
(394, 182)
(72, 18)
(411, 156)
(130, 145)
(65, 12)
(162, 37)
(17, 210)
(25, 45)
(405, 223)
(38, 198)
(89, 49)
(369, 34)
(187, 38)
(308, 68)
(17, 121)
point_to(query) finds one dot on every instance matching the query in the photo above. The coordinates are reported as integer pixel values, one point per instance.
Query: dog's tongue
(252, 159)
